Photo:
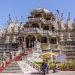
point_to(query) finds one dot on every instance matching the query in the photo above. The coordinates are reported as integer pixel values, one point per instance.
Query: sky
(24, 7)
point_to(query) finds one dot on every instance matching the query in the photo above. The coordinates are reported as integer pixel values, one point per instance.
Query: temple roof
(45, 10)
(41, 10)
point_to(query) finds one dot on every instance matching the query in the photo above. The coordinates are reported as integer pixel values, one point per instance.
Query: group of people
(6, 58)
(45, 68)
(11, 54)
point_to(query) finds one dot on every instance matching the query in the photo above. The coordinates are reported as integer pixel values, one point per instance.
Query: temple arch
(30, 41)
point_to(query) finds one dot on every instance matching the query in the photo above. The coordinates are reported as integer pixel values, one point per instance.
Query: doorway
(30, 41)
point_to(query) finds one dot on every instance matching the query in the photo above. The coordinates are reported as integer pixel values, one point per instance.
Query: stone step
(13, 67)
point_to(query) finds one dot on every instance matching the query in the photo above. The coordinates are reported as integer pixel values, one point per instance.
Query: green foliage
(70, 65)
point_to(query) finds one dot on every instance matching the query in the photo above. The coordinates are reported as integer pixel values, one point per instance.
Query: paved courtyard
(63, 73)
(58, 73)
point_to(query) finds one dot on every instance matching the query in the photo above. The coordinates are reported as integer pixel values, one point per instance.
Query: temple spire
(21, 19)
(16, 19)
(61, 16)
(58, 15)
(10, 20)
(68, 16)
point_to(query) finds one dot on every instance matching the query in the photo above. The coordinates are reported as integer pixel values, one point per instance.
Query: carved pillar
(25, 42)
(29, 25)
(14, 38)
(7, 38)
(48, 42)
(68, 36)
(61, 36)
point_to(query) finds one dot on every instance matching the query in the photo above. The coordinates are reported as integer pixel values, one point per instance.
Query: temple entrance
(30, 41)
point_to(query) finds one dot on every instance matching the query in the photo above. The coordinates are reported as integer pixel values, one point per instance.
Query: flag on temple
(57, 11)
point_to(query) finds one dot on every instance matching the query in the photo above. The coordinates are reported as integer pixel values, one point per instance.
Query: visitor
(4, 58)
(10, 55)
(44, 68)
(4, 55)
(55, 68)
(48, 68)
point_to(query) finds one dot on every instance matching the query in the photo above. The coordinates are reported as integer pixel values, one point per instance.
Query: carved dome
(10, 27)
(22, 26)
(1, 33)
(41, 10)
(16, 28)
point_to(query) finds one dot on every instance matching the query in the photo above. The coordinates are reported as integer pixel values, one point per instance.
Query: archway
(43, 40)
(30, 41)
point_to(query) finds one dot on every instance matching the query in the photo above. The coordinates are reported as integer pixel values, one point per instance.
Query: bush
(70, 66)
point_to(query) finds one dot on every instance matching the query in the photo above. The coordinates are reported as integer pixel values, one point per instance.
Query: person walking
(4, 58)
(55, 68)
(44, 68)
(10, 55)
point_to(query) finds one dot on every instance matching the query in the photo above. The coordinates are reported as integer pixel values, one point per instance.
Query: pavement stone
(57, 73)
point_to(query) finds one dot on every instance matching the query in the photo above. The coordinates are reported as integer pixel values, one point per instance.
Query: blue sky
(24, 7)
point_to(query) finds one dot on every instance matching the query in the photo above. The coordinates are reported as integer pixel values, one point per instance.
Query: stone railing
(52, 33)
(35, 66)
(40, 31)
(30, 30)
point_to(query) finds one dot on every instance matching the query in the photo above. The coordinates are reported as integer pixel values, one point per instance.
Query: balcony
(34, 19)
(54, 46)
(36, 30)
(47, 21)
(42, 32)
(31, 30)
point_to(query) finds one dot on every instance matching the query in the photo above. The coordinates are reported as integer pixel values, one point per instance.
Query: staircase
(13, 67)
(31, 57)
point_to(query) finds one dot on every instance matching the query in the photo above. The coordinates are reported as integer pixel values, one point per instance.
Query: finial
(21, 19)
(58, 15)
(10, 20)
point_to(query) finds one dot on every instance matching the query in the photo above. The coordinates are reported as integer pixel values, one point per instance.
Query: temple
(43, 30)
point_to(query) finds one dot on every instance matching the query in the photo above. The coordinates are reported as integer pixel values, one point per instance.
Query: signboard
(61, 58)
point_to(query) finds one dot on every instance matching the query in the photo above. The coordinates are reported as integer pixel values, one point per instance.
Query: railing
(36, 66)
(69, 46)
(36, 30)
(30, 30)
(33, 65)
(42, 32)
(52, 33)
